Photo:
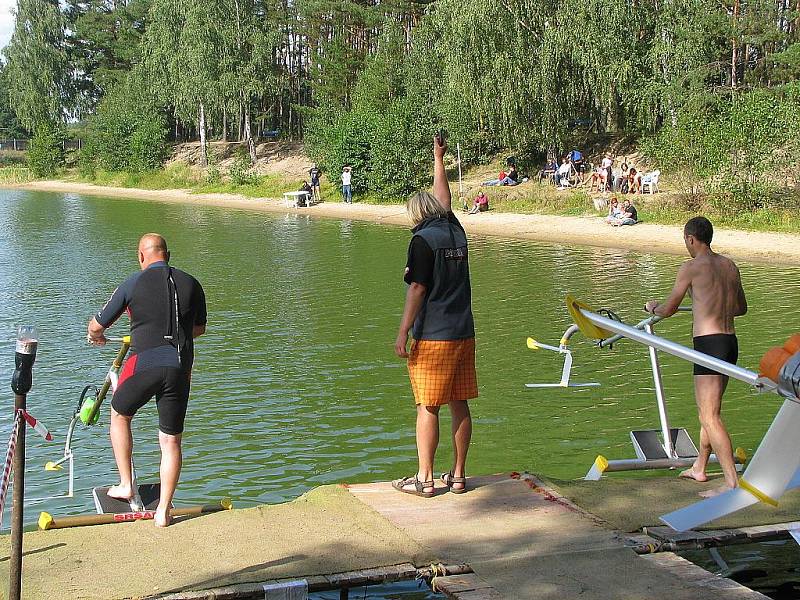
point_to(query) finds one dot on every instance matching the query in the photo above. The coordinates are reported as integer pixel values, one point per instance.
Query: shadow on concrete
(37, 551)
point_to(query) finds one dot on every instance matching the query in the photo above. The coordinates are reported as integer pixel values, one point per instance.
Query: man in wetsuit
(715, 286)
(167, 310)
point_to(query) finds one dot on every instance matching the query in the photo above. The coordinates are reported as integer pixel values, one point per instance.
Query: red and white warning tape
(38, 427)
(12, 446)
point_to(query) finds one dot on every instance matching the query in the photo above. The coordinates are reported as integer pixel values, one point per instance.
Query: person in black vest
(167, 310)
(314, 172)
(438, 311)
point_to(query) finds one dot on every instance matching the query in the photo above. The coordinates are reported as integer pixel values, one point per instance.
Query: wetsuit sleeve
(200, 313)
(118, 302)
(420, 262)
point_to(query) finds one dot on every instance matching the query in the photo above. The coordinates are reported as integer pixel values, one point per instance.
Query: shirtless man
(715, 287)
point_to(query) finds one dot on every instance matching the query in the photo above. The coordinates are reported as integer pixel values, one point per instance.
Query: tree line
(366, 82)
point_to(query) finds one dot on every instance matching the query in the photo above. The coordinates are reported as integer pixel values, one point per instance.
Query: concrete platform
(628, 503)
(524, 542)
(520, 538)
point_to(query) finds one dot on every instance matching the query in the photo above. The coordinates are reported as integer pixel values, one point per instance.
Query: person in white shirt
(564, 171)
(347, 194)
(607, 164)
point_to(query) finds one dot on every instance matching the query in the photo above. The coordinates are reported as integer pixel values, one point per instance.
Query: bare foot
(120, 492)
(690, 474)
(715, 492)
(162, 519)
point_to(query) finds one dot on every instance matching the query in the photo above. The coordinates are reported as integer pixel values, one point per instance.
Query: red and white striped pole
(21, 382)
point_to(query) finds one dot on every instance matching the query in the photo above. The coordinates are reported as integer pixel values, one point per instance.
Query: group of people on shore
(436, 336)
(625, 178)
(313, 188)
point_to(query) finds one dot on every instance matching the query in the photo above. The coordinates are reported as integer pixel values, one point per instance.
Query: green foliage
(37, 70)
(127, 134)
(337, 139)
(240, 172)
(46, 151)
(400, 157)
(102, 44)
(741, 154)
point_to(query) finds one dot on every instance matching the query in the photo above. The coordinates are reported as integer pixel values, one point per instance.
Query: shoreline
(585, 231)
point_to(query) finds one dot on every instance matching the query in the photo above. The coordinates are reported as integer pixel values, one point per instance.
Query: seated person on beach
(303, 200)
(634, 181)
(497, 181)
(614, 210)
(481, 204)
(549, 171)
(599, 176)
(512, 178)
(621, 182)
(628, 216)
(563, 173)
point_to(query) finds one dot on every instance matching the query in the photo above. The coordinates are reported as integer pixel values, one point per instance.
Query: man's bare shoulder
(690, 267)
(723, 263)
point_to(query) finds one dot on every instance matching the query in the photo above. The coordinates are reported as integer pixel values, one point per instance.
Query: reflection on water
(767, 567)
(296, 383)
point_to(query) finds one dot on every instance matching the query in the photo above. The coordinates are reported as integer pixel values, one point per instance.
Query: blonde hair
(423, 205)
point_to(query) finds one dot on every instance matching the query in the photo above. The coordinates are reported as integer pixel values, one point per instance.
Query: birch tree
(37, 69)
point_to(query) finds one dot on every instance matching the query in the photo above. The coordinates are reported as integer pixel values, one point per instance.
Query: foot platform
(148, 492)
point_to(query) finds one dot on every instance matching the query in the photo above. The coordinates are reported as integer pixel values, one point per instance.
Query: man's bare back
(717, 295)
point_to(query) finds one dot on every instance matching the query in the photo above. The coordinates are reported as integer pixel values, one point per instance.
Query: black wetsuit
(723, 346)
(164, 304)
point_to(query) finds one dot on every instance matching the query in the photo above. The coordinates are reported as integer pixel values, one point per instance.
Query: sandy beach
(586, 231)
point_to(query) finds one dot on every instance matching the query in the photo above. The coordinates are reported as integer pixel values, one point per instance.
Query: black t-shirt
(314, 173)
(632, 210)
(420, 262)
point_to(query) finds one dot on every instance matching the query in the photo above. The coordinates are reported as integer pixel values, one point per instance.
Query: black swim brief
(723, 346)
(169, 385)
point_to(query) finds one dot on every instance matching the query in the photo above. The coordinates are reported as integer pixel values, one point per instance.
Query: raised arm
(441, 187)
(670, 306)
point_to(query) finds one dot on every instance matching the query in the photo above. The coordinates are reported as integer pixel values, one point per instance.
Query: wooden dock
(510, 536)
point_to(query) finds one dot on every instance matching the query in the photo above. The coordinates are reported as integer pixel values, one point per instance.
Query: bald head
(152, 248)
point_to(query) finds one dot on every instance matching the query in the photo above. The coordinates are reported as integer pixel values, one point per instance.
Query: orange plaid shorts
(442, 371)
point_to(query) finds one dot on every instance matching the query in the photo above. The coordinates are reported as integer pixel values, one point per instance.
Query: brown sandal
(448, 479)
(419, 486)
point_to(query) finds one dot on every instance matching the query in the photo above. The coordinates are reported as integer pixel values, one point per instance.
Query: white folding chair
(650, 181)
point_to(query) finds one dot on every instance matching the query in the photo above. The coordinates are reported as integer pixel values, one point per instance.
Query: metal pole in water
(21, 382)
(662, 406)
(344, 593)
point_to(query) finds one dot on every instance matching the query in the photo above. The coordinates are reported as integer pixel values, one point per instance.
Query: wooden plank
(465, 587)
(697, 576)
(487, 594)
(367, 576)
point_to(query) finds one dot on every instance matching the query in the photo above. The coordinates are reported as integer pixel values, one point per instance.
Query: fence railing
(21, 145)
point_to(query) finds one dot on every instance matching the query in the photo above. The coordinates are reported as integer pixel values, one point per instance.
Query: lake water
(296, 383)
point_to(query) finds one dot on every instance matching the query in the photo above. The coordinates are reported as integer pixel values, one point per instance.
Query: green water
(296, 383)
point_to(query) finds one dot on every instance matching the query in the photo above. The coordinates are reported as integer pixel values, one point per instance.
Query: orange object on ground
(772, 362)
(442, 371)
